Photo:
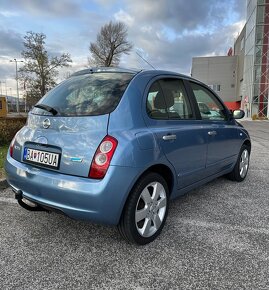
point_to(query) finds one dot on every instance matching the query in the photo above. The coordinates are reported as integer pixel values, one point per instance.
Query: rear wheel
(145, 210)
(240, 170)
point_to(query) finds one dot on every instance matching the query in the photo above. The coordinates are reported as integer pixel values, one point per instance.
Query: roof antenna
(145, 60)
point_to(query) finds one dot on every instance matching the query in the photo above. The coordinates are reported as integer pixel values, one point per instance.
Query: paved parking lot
(216, 237)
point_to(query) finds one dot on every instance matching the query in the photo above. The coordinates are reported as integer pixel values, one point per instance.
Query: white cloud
(146, 29)
(124, 17)
(42, 8)
(8, 14)
(237, 27)
(167, 36)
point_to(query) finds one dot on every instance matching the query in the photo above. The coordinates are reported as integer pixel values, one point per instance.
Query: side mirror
(238, 114)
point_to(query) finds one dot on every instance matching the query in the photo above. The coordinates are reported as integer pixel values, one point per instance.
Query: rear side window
(156, 106)
(176, 99)
(86, 95)
(167, 99)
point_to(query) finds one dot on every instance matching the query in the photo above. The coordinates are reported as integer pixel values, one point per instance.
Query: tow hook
(19, 197)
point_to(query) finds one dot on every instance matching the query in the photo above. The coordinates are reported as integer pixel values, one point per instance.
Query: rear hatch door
(67, 125)
(67, 146)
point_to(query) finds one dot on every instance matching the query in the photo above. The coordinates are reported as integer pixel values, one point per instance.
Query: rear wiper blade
(47, 108)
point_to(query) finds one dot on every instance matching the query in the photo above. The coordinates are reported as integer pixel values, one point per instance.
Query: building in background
(219, 73)
(11, 104)
(239, 52)
(241, 78)
(256, 67)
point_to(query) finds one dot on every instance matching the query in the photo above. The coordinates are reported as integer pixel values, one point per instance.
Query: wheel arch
(247, 143)
(162, 169)
(127, 225)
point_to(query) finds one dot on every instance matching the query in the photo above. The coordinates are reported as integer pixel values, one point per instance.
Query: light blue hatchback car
(113, 146)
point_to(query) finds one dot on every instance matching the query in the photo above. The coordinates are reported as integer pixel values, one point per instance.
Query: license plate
(45, 158)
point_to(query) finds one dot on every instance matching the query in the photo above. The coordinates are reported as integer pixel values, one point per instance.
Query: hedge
(9, 126)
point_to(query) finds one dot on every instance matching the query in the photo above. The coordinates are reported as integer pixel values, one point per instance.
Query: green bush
(3, 153)
(9, 127)
(256, 117)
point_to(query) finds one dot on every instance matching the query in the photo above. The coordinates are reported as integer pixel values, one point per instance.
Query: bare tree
(110, 44)
(38, 75)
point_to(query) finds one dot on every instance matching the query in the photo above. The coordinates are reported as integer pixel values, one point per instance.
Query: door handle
(212, 133)
(169, 137)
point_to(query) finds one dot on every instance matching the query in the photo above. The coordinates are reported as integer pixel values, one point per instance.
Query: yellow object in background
(3, 107)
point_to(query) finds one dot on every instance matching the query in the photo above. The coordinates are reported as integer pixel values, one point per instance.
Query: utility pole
(18, 101)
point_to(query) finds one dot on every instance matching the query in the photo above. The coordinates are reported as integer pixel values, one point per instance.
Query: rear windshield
(86, 95)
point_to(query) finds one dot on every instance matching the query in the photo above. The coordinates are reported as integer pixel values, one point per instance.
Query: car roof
(150, 72)
(157, 72)
(105, 69)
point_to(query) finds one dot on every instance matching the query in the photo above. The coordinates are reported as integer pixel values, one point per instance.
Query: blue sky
(168, 33)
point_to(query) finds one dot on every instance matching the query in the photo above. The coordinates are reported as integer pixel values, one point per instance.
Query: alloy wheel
(150, 209)
(244, 163)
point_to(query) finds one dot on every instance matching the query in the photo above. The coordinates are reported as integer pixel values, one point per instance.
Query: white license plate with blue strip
(45, 158)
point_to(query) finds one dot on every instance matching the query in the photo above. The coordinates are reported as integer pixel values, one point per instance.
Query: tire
(146, 210)
(240, 169)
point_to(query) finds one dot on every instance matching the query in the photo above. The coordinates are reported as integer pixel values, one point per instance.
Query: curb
(3, 184)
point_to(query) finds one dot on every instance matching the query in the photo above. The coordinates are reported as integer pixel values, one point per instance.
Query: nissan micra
(114, 146)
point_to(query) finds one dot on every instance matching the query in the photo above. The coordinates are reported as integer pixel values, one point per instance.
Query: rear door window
(167, 99)
(176, 99)
(86, 95)
(156, 106)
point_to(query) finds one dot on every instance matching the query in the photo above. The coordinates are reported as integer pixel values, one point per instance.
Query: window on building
(242, 43)
(259, 34)
(215, 87)
(260, 14)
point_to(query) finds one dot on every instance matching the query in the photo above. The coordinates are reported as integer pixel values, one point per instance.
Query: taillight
(11, 146)
(102, 157)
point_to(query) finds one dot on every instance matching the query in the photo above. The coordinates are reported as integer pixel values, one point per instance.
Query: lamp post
(1, 83)
(16, 63)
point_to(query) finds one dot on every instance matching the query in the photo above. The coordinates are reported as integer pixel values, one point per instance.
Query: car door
(219, 128)
(170, 115)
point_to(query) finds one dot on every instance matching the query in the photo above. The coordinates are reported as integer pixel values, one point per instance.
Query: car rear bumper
(81, 198)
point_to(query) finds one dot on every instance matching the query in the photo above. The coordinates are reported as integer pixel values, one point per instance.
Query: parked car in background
(114, 146)
(208, 113)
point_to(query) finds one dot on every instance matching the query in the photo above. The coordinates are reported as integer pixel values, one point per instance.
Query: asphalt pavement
(215, 237)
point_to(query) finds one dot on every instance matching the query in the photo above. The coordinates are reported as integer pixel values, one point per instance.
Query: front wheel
(240, 170)
(145, 211)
